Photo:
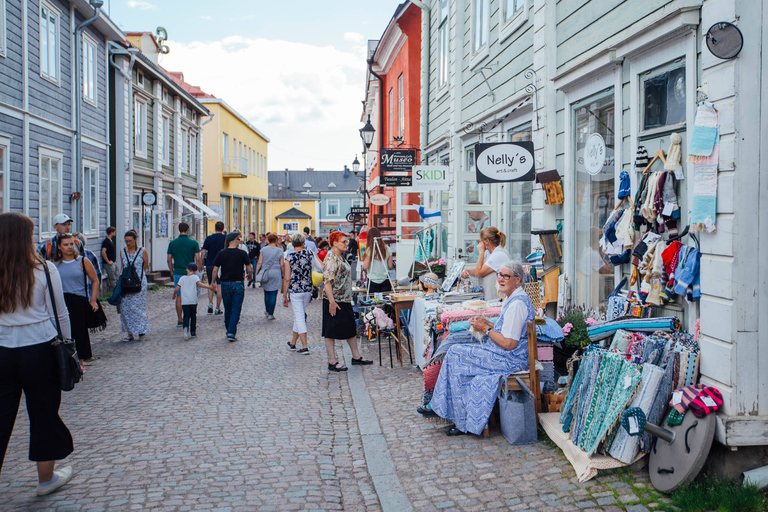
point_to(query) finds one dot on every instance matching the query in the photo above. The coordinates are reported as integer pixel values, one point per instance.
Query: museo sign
(395, 166)
(504, 161)
(430, 177)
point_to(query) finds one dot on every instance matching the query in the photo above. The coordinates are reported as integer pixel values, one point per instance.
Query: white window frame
(357, 202)
(184, 148)
(165, 95)
(5, 171)
(224, 151)
(165, 139)
(51, 73)
(3, 39)
(391, 111)
(336, 203)
(140, 126)
(508, 25)
(46, 225)
(140, 77)
(400, 106)
(88, 190)
(443, 45)
(90, 70)
(480, 31)
(193, 153)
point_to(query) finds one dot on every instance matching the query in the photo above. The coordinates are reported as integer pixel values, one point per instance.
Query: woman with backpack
(133, 308)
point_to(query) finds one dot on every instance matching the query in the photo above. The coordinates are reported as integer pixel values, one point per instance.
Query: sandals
(335, 368)
(129, 338)
(361, 361)
(453, 431)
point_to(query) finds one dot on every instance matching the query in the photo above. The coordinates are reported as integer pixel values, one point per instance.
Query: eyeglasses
(343, 241)
(503, 277)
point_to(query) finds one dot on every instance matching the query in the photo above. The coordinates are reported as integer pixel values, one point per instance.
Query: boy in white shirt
(188, 285)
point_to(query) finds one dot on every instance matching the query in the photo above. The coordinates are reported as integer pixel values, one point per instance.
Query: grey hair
(297, 240)
(515, 267)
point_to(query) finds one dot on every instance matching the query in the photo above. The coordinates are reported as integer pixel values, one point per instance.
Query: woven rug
(704, 153)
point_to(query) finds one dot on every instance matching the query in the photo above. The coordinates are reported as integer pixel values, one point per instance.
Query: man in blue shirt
(211, 247)
(309, 243)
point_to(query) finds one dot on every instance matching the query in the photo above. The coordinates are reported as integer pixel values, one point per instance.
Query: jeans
(299, 303)
(109, 280)
(189, 317)
(270, 299)
(254, 261)
(232, 294)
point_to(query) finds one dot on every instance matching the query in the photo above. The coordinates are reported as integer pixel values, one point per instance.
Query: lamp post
(366, 133)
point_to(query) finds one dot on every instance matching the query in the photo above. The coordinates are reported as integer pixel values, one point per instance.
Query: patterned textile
(705, 155)
(463, 325)
(682, 398)
(607, 329)
(468, 384)
(659, 406)
(301, 271)
(133, 308)
(453, 315)
(339, 274)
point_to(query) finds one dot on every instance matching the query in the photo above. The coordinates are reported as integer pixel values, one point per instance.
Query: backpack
(130, 281)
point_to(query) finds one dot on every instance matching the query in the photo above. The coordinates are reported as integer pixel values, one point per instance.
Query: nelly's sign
(396, 165)
(504, 161)
(430, 177)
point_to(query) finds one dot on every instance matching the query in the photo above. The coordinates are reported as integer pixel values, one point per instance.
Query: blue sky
(295, 69)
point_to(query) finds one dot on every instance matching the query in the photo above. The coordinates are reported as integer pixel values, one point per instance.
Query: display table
(401, 303)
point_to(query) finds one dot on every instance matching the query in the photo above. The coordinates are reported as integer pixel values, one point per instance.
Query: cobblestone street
(204, 424)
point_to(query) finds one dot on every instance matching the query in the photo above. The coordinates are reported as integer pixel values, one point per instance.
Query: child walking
(188, 285)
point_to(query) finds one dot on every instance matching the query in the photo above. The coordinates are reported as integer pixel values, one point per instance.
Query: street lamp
(355, 165)
(366, 132)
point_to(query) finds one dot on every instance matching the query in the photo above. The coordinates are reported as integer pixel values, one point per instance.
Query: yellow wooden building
(291, 216)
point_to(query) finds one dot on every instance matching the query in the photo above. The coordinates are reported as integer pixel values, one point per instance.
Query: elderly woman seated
(468, 382)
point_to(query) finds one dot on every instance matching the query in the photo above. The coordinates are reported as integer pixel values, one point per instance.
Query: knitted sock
(675, 418)
(708, 401)
(682, 398)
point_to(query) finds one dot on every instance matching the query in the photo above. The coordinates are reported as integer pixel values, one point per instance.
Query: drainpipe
(425, 40)
(96, 4)
(381, 121)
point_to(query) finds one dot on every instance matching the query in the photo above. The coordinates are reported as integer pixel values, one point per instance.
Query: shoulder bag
(97, 320)
(130, 280)
(67, 362)
(261, 276)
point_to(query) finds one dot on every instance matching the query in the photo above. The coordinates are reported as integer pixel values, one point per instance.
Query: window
(512, 8)
(663, 97)
(332, 207)
(357, 203)
(90, 198)
(140, 126)
(49, 41)
(89, 69)
(236, 202)
(165, 95)
(140, 77)
(2, 29)
(50, 188)
(184, 149)
(391, 111)
(241, 154)
(519, 201)
(225, 150)
(184, 109)
(193, 154)
(165, 140)
(400, 106)
(480, 24)
(224, 203)
(4, 146)
(442, 46)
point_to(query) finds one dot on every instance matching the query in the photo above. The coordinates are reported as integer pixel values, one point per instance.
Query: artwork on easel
(452, 276)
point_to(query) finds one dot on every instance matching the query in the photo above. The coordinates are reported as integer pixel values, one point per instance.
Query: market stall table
(402, 303)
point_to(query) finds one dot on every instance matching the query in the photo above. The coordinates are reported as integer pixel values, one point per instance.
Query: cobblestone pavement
(167, 424)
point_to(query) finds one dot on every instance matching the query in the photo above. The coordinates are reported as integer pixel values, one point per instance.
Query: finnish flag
(430, 214)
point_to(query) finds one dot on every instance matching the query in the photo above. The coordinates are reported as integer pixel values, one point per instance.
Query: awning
(183, 203)
(208, 212)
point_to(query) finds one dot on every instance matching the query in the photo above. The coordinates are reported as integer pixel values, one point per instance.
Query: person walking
(211, 247)
(271, 260)
(27, 362)
(109, 260)
(62, 224)
(133, 308)
(89, 256)
(263, 240)
(378, 261)
(338, 317)
(351, 255)
(182, 251)
(234, 264)
(309, 242)
(187, 286)
(73, 269)
(297, 280)
(254, 249)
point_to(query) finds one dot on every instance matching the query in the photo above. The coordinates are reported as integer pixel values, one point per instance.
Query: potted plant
(438, 267)
(574, 322)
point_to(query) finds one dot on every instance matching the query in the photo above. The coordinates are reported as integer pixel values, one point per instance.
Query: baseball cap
(192, 266)
(61, 219)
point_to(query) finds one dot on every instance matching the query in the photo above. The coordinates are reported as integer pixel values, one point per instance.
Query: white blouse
(26, 327)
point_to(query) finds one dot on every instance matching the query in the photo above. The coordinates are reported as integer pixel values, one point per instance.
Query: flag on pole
(430, 214)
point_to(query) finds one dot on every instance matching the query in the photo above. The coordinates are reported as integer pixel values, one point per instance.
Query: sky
(294, 69)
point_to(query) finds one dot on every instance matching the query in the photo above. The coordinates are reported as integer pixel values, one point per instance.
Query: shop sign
(359, 210)
(504, 162)
(594, 154)
(395, 166)
(149, 198)
(430, 177)
(379, 199)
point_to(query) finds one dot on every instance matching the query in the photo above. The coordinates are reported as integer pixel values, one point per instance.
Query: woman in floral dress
(133, 307)
(297, 281)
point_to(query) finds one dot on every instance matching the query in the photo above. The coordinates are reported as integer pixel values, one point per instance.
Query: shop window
(236, 213)
(663, 97)
(224, 203)
(594, 122)
(519, 205)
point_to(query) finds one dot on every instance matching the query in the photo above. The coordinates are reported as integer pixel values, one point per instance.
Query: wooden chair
(529, 377)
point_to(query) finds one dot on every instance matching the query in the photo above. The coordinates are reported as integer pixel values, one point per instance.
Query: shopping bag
(517, 410)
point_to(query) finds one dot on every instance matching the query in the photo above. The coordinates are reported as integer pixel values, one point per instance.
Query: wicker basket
(534, 293)
(552, 402)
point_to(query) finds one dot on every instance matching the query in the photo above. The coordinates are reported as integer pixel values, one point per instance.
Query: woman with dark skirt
(338, 317)
(27, 361)
(73, 270)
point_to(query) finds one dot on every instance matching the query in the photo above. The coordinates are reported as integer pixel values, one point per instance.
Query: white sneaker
(64, 475)
(186, 333)
(271, 317)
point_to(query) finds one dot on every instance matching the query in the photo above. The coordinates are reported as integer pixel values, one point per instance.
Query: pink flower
(567, 328)
(590, 321)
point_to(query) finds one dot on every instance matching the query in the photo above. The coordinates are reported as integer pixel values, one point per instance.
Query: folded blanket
(607, 329)
(463, 325)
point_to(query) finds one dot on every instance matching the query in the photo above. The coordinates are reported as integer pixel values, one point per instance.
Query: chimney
(346, 172)
(310, 168)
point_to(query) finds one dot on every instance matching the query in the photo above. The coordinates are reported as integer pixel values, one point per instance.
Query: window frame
(508, 25)
(480, 31)
(166, 97)
(165, 140)
(88, 189)
(673, 65)
(193, 138)
(391, 110)
(400, 106)
(44, 152)
(5, 171)
(46, 74)
(184, 149)
(141, 125)
(92, 68)
(224, 151)
(443, 45)
(3, 23)
(332, 201)
(140, 77)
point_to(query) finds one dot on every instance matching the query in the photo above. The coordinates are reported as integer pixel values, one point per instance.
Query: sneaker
(303, 351)
(292, 347)
(62, 476)
(180, 324)
(218, 312)
(231, 337)
(271, 317)
(193, 335)
(186, 333)
(210, 309)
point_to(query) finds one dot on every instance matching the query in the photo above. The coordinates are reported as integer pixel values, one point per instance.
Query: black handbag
(96, 320)
(130, 281)
(64, 350)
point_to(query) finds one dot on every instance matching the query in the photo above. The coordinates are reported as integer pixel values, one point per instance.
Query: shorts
(176, 278)
(209, 271)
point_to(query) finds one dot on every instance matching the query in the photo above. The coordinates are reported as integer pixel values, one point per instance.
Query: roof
(194, 90)
(103, 23)
(293, 213)
(290, 184)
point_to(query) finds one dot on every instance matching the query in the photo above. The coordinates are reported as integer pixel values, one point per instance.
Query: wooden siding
(11, 66)
(100, 155)
(63, 143)
(187, 191)
(14, 127)
(94, 119)
(440, 101)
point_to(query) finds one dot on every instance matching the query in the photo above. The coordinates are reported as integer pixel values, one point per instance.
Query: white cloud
(305, 98)
(206, 18)
(354, 37)
(141, 5)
